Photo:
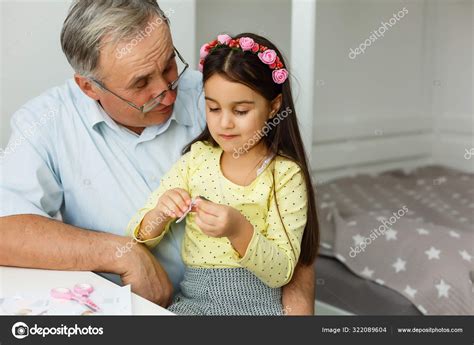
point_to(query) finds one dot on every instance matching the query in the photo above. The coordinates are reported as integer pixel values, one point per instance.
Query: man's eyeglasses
(153, 103)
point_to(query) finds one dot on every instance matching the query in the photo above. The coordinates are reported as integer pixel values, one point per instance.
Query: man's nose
(159, 86)
(169, 95)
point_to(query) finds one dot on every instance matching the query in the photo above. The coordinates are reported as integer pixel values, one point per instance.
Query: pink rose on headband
(204, 50)
(224, 39)
(279, 75)
(246, 43)
(268, 56)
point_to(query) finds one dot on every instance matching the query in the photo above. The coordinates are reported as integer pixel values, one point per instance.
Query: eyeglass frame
(171, 86)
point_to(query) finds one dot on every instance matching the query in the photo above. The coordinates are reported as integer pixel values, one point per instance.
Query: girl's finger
(168, 212)
(170, 204)
(208, 220)
(203, 226)
(184, 194)
(180, 198)
(209, 207)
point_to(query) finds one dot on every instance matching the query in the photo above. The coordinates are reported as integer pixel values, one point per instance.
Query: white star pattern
(391, 234)
(436, 200)
(443, 289)
(465, 255)
(422, 309)
(340, 257)
(454, 234)
(367, 272)
(324, 205)
(399, 265)
(358, 239)
(410, 292)
(440, 180)
(380, 281)
(326, 245)
(433, 253)
(422, 231)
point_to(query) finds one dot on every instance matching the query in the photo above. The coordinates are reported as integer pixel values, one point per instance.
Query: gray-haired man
(109, 136)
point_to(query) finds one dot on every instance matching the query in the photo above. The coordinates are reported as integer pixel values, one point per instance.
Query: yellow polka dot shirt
(272, 253)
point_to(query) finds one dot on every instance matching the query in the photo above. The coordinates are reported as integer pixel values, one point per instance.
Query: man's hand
(38, 242)
(147, 277)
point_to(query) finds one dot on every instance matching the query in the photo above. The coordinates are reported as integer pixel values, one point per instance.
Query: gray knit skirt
(225, 291)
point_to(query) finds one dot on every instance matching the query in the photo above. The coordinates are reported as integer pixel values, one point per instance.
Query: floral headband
(267, 56)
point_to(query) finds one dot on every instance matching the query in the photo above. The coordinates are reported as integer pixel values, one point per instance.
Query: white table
(14, 280)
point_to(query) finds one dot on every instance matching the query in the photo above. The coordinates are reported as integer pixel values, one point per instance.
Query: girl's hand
(217, 220)
(173, 203)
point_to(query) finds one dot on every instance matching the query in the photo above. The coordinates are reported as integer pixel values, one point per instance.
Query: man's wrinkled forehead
(133, 56)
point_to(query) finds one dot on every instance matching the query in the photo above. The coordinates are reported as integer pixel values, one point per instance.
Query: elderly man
(99, 147)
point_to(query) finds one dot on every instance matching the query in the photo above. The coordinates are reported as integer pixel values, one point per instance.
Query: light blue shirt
(67, 156)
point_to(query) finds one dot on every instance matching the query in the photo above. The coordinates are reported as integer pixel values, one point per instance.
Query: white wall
(452, 101)
(379, 110)
(269, 18)
(287, 23)
(31, 57)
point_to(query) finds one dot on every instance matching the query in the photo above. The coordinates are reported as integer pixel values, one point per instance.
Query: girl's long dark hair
(283, 139)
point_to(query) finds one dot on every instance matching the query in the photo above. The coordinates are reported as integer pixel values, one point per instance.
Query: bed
(399, 243)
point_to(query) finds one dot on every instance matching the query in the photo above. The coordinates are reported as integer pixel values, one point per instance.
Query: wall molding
(360, 126)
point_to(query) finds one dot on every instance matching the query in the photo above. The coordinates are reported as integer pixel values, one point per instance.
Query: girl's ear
(275, 105)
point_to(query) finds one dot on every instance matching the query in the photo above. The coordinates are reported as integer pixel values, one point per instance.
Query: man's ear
(275, 105)
(87, 86)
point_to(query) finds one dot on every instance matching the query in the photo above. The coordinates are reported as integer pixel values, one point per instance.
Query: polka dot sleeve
(273, 254)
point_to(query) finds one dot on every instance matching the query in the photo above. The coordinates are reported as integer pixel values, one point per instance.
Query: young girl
(246, 182)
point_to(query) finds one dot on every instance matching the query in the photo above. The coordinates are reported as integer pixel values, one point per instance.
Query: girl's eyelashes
(241, 112)
(237, 112)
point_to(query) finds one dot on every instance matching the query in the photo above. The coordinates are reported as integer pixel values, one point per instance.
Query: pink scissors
(80, 293)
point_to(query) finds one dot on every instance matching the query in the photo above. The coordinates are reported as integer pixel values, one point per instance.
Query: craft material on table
(82, 299)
